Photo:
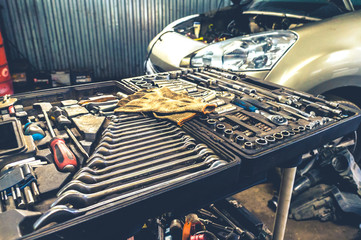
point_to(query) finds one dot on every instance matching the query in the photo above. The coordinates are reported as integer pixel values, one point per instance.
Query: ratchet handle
(64, 159)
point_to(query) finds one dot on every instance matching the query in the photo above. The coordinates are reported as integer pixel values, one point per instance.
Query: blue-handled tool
(34, 130)
(276, 119)
(245, 105)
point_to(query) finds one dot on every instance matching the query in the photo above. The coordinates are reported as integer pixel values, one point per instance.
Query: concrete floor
(255, 200)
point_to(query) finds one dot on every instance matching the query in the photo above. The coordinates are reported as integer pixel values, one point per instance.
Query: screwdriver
(58, 115)
(64, 159)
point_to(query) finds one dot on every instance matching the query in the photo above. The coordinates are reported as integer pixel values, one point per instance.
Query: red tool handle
(64, 159)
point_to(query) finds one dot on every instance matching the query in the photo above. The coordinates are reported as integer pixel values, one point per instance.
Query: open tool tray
(118, 214)
(55, 95)
(263, 123)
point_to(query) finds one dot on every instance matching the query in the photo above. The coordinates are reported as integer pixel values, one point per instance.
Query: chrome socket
(301, 128)
(270, 139)
(212, 123)
(261, 142)
(220, 128)
(239, 139)
(248, 145)
(228, 133)
(285, 133)
(278, 136)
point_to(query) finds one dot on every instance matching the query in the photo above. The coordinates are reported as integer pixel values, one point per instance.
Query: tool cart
(98, 160)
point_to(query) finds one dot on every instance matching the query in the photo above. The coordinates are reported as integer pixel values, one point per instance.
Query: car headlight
(252, 52)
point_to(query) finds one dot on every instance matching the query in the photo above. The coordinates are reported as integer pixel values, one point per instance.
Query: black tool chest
(139, 166)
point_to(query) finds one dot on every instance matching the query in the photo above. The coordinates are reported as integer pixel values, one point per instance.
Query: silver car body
(326, 56)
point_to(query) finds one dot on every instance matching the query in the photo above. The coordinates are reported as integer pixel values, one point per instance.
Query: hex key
(96, 187)
(78, 199)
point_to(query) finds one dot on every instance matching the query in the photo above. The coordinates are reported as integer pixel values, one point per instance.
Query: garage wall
(109, 37)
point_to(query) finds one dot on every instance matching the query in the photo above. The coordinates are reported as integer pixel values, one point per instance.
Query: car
(313, 46)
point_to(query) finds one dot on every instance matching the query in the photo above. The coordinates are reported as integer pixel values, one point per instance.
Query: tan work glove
(164, 103)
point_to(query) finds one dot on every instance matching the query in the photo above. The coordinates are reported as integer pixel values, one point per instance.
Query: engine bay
(232, 22)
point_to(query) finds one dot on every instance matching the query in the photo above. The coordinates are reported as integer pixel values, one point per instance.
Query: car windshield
(311, 8)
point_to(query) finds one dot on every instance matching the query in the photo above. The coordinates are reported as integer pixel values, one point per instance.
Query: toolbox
(131, 166)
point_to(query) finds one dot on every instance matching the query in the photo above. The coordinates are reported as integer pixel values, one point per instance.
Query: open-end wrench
(118, 138)
(105, 151)
(123, 164)
(133, 129)
(100, 161)
(78, 199)
(117, 178)
(62, 213)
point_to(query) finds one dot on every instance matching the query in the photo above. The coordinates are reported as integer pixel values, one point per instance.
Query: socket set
(110, 164)
(263, 123)
(18, 187)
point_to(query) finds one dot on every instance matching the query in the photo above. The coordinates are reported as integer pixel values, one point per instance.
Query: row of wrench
(136, 154)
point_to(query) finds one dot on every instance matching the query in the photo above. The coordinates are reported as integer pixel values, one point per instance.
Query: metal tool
(138, 122)
(135, 129)
(106, 148)
(32, 129)
(58, 115)
(276, 119)
(78, 199)
(61, 213)
(243, 233)
(119, 138)
(174, 133)
(120, 176)
(120, 163)
(64, 159)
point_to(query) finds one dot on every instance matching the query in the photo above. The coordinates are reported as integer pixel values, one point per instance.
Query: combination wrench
(100, 161)
(117, 178)
(78, 199)
(116, 139)
(106, 148)
(130, 131)
(105, 151)
(172, 134)
(123, 164)
(132, 123)
(133, 129)
(62, 213)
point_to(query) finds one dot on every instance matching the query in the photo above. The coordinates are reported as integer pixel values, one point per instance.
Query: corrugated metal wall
(109, 37)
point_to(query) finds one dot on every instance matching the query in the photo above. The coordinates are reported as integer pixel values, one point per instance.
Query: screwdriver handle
(245, 105)
(64, 159)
